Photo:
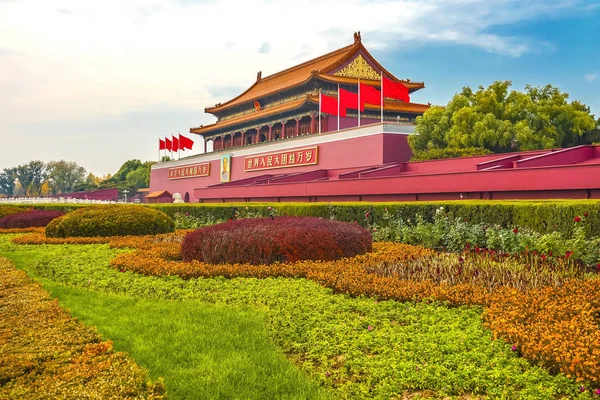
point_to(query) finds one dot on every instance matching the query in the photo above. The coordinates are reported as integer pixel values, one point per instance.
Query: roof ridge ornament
(357, 37)
(258, 76)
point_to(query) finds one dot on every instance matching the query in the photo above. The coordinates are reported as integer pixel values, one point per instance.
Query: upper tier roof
(301, 73)
(389, 105)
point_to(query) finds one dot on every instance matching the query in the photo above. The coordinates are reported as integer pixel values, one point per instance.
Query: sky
(98, 82)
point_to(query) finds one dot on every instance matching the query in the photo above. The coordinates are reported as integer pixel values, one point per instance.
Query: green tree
(127, 167)
(7, 180)
(64, 176)
(500, 120)
(38, 173)
(139, 178)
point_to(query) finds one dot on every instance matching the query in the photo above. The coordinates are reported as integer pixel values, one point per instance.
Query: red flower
(569, 254)
(543, 256)
(515, 230)
(577, 219)
(586, 214)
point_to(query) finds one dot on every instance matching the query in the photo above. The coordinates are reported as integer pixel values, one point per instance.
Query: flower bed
(408, 273)
(41, 238)
(556, 327)
(139, 242)
(51, 355)
(29, 219)
(271, 240)
(22, 230)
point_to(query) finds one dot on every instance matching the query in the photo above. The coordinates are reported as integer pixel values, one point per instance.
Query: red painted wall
(349, 154)
(472, 184)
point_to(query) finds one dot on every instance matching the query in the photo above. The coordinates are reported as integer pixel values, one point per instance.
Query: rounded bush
(283, 239)
(9, 210)
(111, 220)
(29, 219)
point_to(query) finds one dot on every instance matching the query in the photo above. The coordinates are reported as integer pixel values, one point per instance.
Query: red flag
(169, 144)
(395, 90)
(161, 144)
(350, 100)
(185, 143)
(175, 143)
(369, 95)
(329, 105)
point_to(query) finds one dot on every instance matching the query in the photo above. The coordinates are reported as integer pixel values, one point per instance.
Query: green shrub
(436, 154)
(111, 220)
(542, 216)
(9, 210)
(455, 234)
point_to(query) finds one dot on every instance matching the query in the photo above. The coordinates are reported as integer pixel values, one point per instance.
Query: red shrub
(283, 239)
(28, 219)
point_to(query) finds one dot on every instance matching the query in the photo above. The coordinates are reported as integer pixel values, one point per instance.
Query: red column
(205, 145)
(283, 129)
(270, 137)
(257, 134)
(312, 124)
(297, 127)
(243, 138)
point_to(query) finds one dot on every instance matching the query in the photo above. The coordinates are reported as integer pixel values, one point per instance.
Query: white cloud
(69, 60)
(591, 77)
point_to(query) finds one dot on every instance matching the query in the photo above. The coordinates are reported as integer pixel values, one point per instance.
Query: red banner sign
(189, 171)
(283, 159)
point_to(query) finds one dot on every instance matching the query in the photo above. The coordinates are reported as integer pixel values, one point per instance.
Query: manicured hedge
(543, 216)
(282, 239)
(9, 210)
(111, 220)
(29, 219)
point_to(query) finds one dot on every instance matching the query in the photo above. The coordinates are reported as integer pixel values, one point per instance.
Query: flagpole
(165, 145)
(358, 102)
(319, 111)
(178, 147)
(338, 99)
(158, 149)
(171, 157)
(382, 97)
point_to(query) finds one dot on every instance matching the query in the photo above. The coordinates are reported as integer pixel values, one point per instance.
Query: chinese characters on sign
(284, 159)
(189, 171)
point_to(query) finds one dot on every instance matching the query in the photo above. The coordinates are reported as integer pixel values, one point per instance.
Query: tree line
(38, 178)
(497, 120)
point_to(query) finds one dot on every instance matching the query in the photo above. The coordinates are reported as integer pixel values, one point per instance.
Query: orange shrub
(22, 230)
(40, 238)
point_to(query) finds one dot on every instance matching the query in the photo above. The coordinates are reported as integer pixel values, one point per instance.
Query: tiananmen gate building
(284, 140)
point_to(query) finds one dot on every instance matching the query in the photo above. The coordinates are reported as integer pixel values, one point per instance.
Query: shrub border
(543, 216)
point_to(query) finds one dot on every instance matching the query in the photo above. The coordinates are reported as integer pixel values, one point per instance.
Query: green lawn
(219, 338)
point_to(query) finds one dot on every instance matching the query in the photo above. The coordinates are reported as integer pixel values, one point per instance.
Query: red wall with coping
(344, 155)
(582, 179)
